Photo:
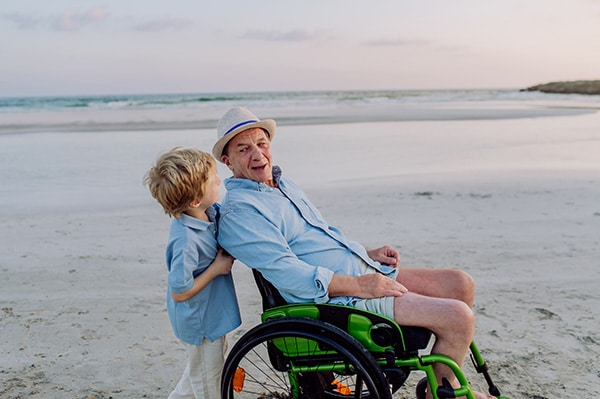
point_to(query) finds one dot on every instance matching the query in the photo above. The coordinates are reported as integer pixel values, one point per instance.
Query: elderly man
(268, 223)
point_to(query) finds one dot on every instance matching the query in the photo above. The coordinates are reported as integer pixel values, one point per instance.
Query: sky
(82, 47)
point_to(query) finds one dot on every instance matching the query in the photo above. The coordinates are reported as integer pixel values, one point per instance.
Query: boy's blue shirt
(281, 233)
(214, 311)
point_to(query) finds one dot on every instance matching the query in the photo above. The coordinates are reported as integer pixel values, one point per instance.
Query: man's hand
(376, 285)
(372, 285)
(385, 255)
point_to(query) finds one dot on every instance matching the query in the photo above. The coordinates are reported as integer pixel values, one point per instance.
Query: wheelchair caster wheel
(422, 388)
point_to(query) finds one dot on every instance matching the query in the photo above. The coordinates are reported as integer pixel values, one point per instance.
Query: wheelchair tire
(335, 365)
(421, 389)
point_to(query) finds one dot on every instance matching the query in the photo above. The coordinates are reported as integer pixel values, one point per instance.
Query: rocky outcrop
(572, 87)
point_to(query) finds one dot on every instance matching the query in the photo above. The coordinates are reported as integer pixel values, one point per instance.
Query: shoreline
(186, 119)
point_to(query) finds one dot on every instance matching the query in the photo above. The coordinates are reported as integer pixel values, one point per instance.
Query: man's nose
(256, 153)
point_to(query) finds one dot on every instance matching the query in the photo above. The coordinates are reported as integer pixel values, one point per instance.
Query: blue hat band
(239, 125)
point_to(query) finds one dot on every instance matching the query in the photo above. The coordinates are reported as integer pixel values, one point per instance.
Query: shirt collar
(232, 183)
(198, 224)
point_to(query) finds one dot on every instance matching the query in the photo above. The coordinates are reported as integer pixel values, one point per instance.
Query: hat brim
(268, 125)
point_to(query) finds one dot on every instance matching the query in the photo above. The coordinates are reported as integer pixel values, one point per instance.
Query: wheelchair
(323, 351)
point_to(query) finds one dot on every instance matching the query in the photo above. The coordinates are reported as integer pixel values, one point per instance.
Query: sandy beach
(513, 200)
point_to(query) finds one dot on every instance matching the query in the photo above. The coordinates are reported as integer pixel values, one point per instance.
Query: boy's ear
(195, 203)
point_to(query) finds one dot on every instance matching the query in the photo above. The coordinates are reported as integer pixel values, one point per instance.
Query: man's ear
(225, 160)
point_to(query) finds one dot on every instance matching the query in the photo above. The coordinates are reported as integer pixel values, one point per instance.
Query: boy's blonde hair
(178, 178)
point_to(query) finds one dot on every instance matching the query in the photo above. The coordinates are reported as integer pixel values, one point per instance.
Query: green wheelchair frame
(321, 351)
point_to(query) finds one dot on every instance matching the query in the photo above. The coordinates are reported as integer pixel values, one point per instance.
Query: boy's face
(211, 194)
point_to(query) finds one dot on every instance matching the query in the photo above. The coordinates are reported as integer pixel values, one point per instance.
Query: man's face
(249, 156)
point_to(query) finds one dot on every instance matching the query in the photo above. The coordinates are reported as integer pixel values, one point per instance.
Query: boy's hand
(223, 262)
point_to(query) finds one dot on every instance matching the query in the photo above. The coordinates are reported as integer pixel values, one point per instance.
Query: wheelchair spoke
(277, 379)
(261, 380)
(358, 388)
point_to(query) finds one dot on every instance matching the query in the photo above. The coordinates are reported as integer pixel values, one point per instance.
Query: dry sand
(515, 202)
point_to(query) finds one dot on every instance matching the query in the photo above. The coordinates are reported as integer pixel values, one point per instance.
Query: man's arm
(256, 241)
(374, 285)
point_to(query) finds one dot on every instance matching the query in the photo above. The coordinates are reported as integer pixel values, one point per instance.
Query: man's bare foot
(481, 395)
(478, 395)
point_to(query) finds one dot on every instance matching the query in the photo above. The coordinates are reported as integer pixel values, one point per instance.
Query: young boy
(201, 299)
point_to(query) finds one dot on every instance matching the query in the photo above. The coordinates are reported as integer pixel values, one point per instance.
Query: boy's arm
(221, 265)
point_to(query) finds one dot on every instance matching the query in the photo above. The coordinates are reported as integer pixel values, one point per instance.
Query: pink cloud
(72, 20)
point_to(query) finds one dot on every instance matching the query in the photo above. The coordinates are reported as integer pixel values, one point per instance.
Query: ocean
(271, 99)
(202, 110)
(277, 99)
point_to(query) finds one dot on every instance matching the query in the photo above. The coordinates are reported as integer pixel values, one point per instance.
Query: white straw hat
(235, 121)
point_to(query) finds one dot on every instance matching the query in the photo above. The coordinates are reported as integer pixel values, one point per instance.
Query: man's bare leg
(443, 305)
(438, 283)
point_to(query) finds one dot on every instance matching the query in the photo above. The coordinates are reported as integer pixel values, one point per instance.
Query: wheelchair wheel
(421, 389)
(301, 358)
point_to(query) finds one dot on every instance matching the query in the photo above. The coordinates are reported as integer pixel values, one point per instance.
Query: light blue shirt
(214, 311)
(282, 234)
